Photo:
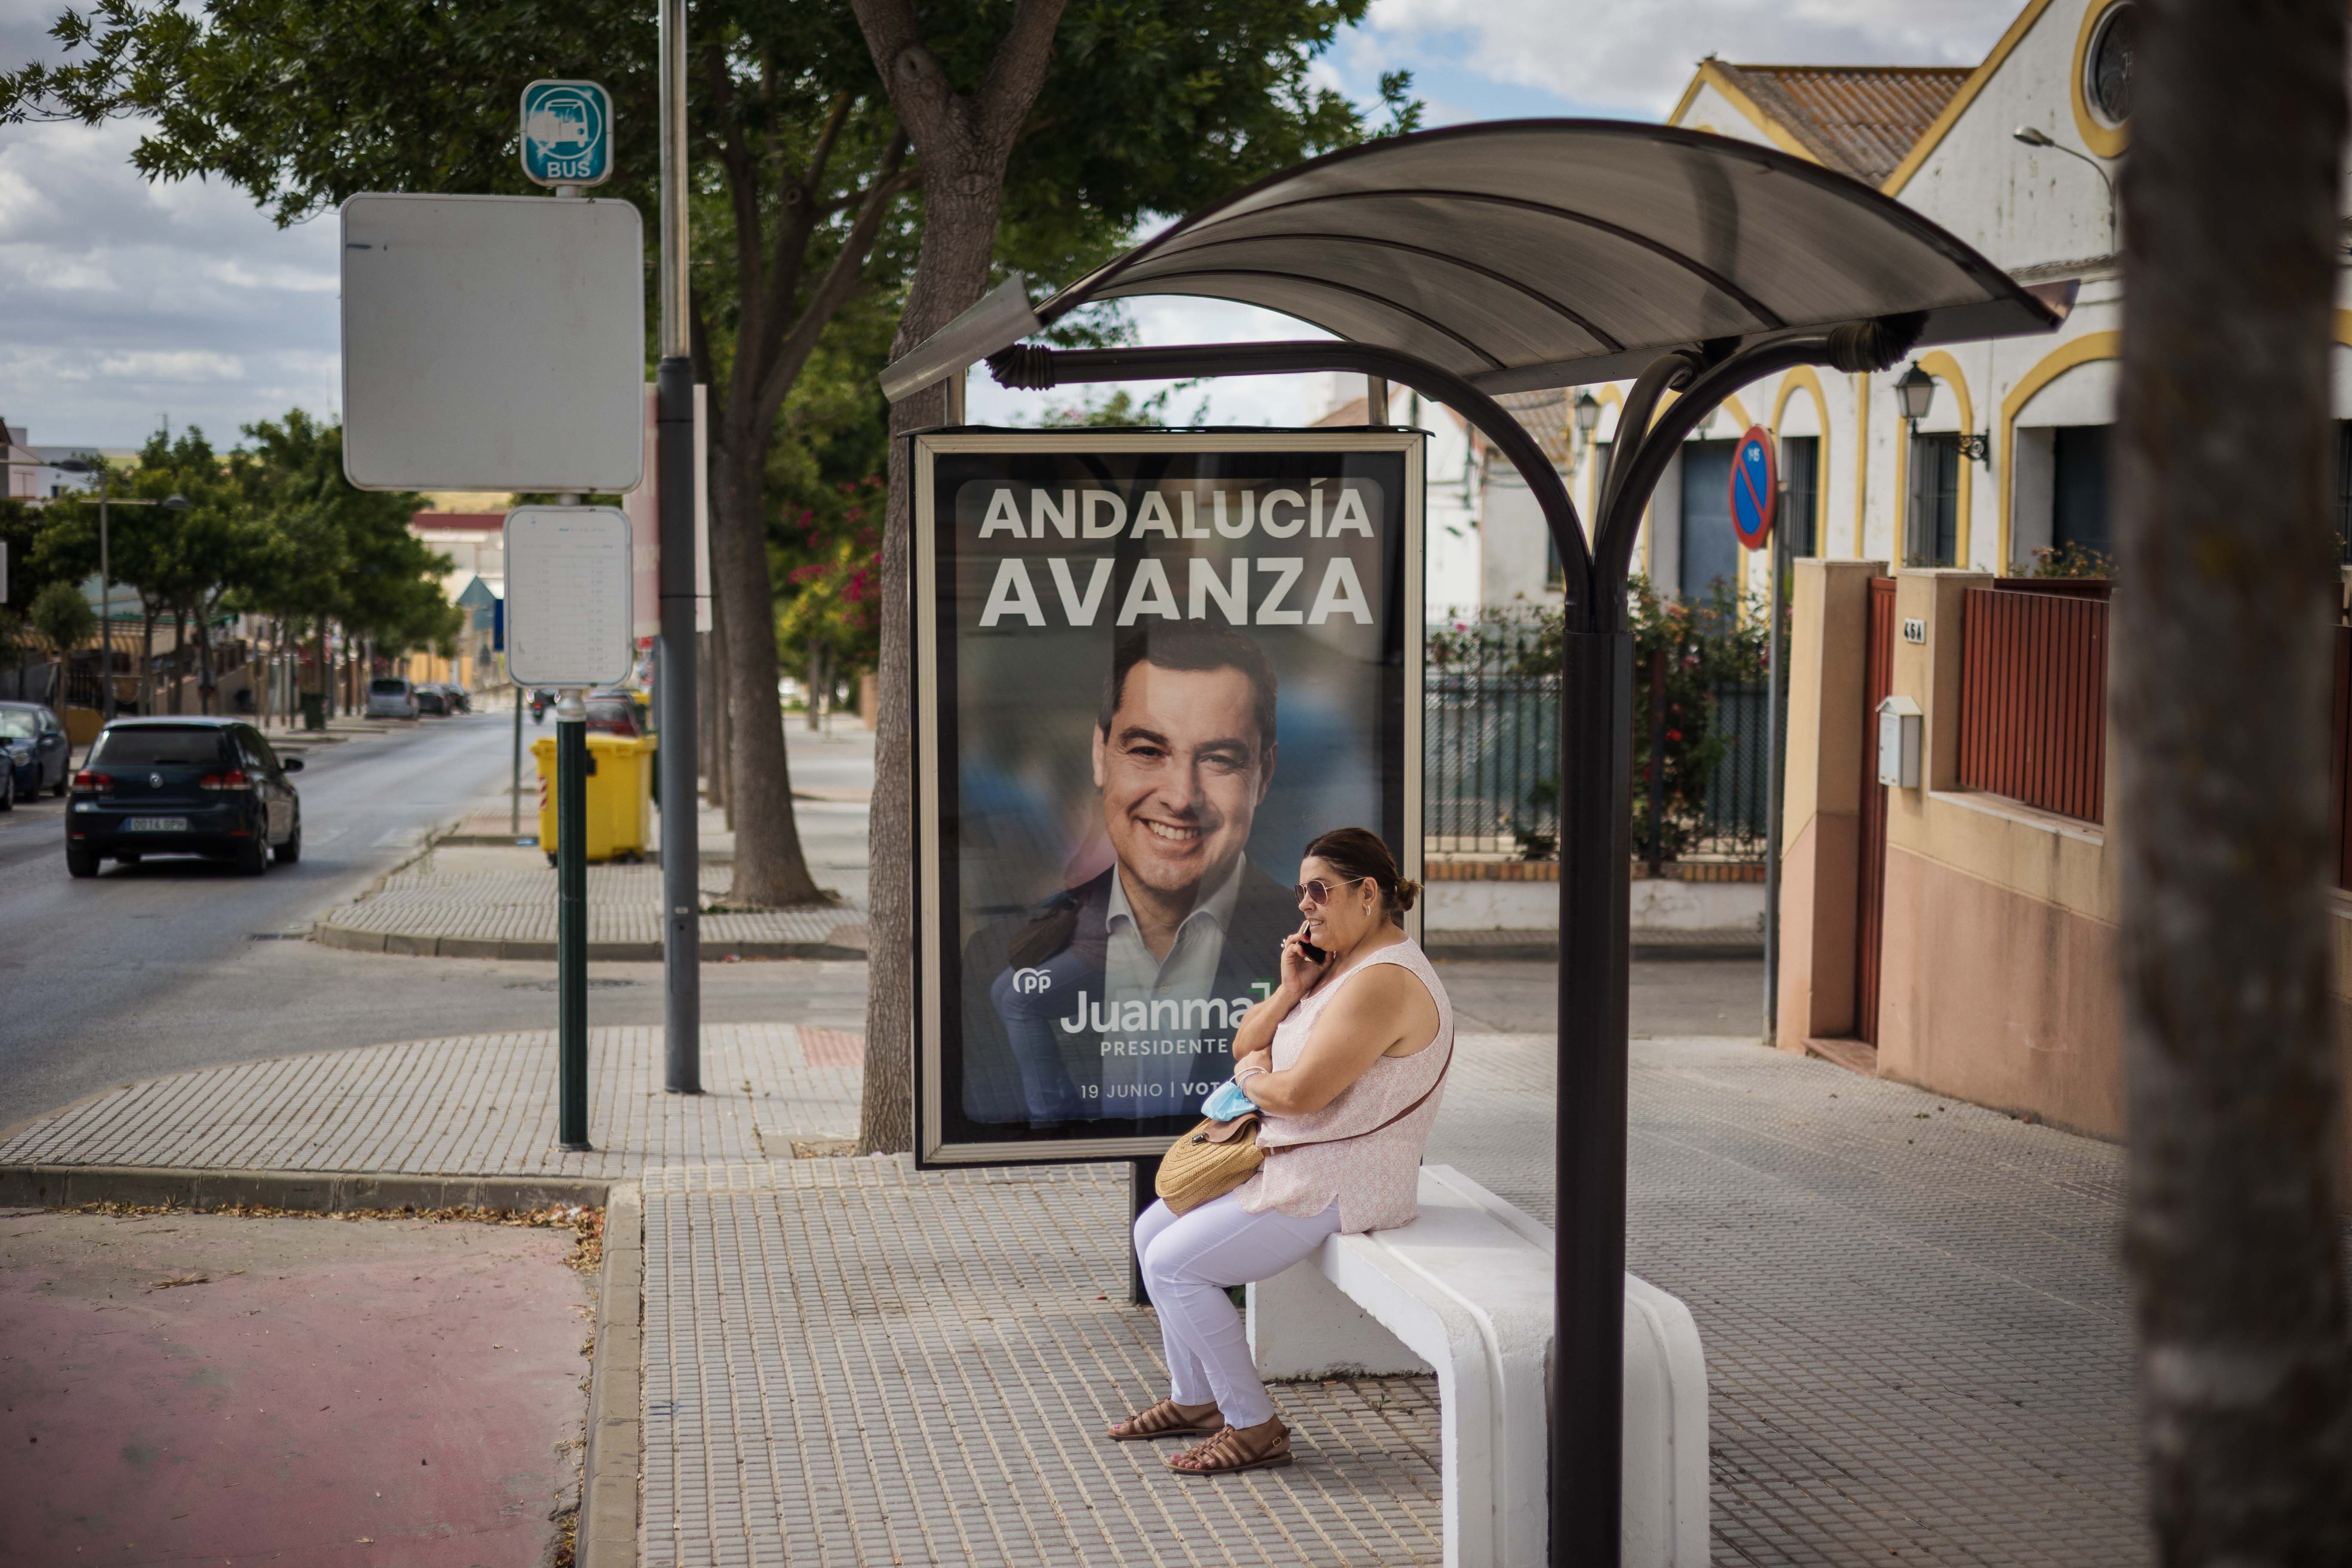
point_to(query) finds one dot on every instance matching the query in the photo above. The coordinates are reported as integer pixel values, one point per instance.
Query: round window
(2107, 64)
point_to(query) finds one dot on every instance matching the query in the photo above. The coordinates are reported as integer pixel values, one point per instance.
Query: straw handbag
(1215, 1157)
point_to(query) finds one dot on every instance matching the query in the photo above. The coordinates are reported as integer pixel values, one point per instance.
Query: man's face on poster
(1181, 770)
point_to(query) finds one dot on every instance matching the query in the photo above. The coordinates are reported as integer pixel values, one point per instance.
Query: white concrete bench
(1468, 1289)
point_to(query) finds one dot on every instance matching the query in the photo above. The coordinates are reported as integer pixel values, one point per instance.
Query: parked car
(184, 786)
(390, 697)
(461, 699)
(39, 756)
(614, 710)
(431, 698)
(540, 702)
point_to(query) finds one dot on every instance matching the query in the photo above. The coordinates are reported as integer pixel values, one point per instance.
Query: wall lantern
(1588, 414)
(1914, 393)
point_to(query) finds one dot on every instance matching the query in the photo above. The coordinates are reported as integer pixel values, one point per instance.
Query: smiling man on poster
(1120, 997)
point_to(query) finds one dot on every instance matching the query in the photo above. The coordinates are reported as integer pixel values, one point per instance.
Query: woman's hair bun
(1358, 854)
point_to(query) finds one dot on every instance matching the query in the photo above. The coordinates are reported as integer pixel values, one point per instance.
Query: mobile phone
(1311, 952)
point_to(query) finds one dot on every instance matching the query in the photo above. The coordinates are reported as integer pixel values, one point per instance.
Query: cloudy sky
(129, 305)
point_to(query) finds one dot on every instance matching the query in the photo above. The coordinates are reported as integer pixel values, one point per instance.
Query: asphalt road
(179, 963)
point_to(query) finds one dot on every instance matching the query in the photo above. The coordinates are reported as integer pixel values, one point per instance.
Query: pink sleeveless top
(1376, 1179)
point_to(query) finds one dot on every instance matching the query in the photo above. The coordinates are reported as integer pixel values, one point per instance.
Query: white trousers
(1189, 1260)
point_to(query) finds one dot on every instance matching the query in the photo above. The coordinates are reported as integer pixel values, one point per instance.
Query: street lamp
(91, 463)
(2034, 136)
(1588, 414)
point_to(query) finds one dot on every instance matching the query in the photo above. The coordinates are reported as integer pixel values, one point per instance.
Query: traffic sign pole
(572, 921)
(674, 658)
(1755, 510)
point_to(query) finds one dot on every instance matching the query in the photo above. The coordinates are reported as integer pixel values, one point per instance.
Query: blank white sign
(568, 595)
(492, 342)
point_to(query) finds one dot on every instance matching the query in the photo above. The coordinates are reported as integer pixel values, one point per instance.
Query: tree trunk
(815, 678)
(722, 753)
(770, 869)
(2220, 696)
(963, 144)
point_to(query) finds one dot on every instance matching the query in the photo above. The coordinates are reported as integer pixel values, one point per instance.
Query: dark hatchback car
(34, 754)
(184, 786)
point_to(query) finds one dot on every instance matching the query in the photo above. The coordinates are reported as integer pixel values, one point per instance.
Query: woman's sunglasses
(1318, 891)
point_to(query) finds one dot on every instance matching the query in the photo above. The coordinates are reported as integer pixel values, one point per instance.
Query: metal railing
(2034, 699)
(1490, 734)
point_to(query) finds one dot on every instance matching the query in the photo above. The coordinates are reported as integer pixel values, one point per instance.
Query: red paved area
(395, 1393)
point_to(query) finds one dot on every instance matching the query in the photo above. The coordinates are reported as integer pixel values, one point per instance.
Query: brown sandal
(1165, 1419)
(1229, 1453)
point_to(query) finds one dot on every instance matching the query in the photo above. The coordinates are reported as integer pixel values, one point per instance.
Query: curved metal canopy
(1540, 252)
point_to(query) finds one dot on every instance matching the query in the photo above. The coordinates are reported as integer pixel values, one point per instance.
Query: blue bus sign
(567, 133)
(1755, 488)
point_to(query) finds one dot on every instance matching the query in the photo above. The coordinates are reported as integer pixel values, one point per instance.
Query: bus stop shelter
(1518, 256)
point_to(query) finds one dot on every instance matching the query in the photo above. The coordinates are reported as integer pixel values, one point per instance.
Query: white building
(1452, 476)
(2016, 157)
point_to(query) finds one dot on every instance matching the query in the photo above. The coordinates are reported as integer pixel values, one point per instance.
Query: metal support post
(1776, 680)
(105, 613)
(1143, 1182)
(572, 921)
(674, 655)
(514, 780)
(1587, 1373)
(674, 664)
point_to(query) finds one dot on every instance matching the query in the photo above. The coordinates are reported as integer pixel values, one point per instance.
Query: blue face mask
(1227, 1102)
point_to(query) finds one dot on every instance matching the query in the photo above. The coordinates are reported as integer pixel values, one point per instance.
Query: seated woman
(1344, 1059)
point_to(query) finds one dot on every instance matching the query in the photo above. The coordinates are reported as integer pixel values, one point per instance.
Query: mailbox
(1898, 742)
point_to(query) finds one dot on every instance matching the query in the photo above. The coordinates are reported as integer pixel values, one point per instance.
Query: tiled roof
(1858, 119)
(1544, 416)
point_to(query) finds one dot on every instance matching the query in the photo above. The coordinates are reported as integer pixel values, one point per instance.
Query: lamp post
(91, 463)
(2034, 136)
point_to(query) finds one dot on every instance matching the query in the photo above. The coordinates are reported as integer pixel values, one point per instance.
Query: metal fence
(1490, 735)
(2034, 698)
(1491, 749)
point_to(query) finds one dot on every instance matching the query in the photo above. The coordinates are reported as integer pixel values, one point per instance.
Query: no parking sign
(1755, 488)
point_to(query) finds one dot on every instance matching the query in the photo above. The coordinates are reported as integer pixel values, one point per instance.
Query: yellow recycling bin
(620, 796)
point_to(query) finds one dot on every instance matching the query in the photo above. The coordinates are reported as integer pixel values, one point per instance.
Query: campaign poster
(1151, 667)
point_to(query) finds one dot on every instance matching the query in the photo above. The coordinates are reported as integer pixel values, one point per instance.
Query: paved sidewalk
(472, 1105)
(1915, 1324)
(500, 903)
(478, 895)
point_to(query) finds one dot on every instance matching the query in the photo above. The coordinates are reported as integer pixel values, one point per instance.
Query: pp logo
(1028, 982)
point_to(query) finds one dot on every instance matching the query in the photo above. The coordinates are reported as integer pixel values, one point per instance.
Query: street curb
(609, 1472)
(316, 1192)
(327, 934)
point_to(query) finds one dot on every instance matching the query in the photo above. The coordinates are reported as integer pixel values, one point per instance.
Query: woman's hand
(1256, 1061)
(1299, 973)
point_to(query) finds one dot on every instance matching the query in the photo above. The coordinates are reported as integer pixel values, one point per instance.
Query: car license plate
(156, 825)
